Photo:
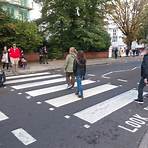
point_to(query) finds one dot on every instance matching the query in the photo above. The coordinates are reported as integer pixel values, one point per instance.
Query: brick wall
(34, 57)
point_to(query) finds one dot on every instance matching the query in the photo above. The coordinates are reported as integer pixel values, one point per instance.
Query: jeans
(79, 86)
(140, 89)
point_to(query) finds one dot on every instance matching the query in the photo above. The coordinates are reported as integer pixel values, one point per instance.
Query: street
(37, 111)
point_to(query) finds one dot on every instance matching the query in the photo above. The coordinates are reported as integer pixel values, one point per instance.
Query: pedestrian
(116, 52)
(2, 78)
(79, 69)
(15, 55)
(5, 58)
(144, 77)
(41, 56)
(70, 79)
(45, 55)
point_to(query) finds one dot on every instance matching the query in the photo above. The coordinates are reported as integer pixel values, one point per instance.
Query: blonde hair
(72, 50)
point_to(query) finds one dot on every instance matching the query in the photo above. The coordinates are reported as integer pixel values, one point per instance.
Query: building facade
(115, 34)
(18, 9)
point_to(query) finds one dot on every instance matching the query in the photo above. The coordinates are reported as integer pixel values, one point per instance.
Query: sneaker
(139, 101)
(69, 86)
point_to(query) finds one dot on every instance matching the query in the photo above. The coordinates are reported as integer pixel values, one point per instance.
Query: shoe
(69, 86)
(139, 101)
(80, 96)
(77, 93)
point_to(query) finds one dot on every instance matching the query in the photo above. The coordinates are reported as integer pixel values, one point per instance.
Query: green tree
(24, 34)
(127, 15)
(76, 23)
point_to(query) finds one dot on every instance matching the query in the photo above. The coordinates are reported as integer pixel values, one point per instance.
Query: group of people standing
(11, 58)
(75, 66)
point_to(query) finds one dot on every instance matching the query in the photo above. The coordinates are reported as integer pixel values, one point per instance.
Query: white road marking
(29, 75)
(23, 136)
(64, 100)
(87, 126)
(91, 75)
(49, 90)
(103, 109)
(51, 109)
(3, 116)
(28, 85)
(121, 80)
(32, 79)
(39, 103)
(67, 117)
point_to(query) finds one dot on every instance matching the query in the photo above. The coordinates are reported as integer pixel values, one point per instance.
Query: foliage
(127, 15)
(143, 32)
(24, 34)
(76, 23)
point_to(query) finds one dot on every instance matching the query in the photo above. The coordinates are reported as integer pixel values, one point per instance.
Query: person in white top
(5, 58)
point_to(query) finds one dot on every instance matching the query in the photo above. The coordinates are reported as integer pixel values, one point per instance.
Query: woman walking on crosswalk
(70, 79)
(79, 69)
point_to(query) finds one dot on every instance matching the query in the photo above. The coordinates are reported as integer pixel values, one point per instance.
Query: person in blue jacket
(79, 72)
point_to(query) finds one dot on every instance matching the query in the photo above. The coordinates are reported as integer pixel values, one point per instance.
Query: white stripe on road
(32, 79)
(49, 90)
(28, 85)
(3, 116)
(64, 100)
(121, 80)
(29, 75)
(23, 136)
(103, 109)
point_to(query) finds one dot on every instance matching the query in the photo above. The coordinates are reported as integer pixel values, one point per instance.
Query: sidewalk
(59, 64)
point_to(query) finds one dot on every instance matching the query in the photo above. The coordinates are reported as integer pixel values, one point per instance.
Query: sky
(35, 13)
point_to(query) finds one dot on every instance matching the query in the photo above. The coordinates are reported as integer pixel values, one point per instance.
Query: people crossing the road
(49, 90)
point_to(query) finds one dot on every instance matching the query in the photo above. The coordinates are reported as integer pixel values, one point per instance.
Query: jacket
(14, 53)
(79, 68)
(69, 63)
(144, 67)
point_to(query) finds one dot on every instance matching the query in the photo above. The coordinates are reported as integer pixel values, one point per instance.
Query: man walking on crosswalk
(144, 77)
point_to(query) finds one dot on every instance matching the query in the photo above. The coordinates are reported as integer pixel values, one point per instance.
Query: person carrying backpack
(5, 58)
(79, 69)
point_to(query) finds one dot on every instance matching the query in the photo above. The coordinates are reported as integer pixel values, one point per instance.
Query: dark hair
(80, 55)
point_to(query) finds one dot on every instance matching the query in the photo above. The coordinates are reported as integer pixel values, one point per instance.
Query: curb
(144, 141)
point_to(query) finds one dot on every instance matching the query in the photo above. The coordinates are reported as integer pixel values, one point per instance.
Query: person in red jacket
(14, 54)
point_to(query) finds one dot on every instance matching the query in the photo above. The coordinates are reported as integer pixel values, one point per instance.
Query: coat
(69, 63)
(79, 68)
(144, 67)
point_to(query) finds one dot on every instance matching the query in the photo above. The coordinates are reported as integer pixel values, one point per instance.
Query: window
(114, 39)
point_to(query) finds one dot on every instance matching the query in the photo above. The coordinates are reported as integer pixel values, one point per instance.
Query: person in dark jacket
(79, 72)
(144, 77)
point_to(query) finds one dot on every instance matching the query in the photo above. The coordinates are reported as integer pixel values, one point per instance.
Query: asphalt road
(36, 111)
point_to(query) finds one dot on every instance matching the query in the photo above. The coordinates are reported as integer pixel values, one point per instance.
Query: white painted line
(23, 136)
(34, 84)
(49, 90)
(3, 116)
(103, 109)
(51, 109)
(32, 79)
(121, 80)
(28, 97)
(39, 103)
(87, 126)
(64, 100)
(91, 75)
(29, 75)
(19, 93)
(67, 117)
(12, 90)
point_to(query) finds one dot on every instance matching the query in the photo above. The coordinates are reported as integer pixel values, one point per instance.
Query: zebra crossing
(43, 84)
(91, 114)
